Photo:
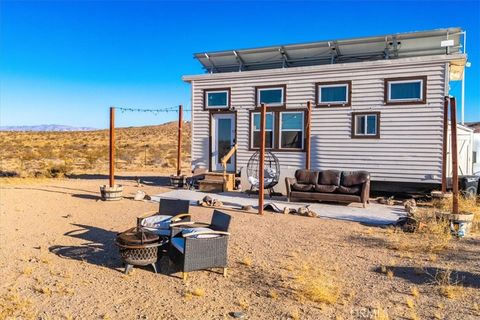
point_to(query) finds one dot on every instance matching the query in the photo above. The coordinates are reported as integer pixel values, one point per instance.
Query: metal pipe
(112, 147)
(179, 144)
(463, 77)
(453, 125)
(261, 160)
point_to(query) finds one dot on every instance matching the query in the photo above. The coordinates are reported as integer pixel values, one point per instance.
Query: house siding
(410, 146)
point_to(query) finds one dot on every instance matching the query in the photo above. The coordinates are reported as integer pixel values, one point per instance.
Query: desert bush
(57, 170)
(315, 285)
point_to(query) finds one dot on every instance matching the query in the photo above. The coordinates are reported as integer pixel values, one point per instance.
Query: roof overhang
(446, 59)
(385, 47)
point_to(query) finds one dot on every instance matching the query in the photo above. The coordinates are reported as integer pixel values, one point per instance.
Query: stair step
(208, 185)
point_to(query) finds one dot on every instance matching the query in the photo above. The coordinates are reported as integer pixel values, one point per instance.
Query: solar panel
(394, 46)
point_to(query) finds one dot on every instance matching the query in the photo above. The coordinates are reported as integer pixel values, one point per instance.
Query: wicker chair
(170, 211)
(193, 247)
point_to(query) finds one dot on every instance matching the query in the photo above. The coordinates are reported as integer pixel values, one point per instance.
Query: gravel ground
(83, 279)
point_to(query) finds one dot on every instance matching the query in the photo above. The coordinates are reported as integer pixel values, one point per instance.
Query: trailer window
(271, 96)
(255, 132)
(291, 130)
(334, 94)
(366, 125)
(217, 99)
(405, 90)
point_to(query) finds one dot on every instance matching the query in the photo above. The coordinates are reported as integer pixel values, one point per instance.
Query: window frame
(252, 130)
(283, 87)
(216, 90)
(354, 134)
(319, 85)
(276, 132)
(423, 90)
(280, 130)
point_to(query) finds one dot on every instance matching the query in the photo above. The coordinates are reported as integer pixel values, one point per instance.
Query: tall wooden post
(453, 125)
(112, 147)
(307, 135)
(179, 145)
(261, 160)
(444, 146)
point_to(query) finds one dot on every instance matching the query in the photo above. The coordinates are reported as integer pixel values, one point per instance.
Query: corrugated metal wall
(411, 135)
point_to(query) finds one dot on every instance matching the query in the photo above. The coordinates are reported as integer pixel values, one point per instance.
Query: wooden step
(208, 185)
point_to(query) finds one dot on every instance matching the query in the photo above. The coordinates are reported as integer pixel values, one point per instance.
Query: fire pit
(139, 248)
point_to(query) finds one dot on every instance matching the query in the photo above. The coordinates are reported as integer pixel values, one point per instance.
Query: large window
(269, 130)
(333, 93)
(284, 129)
(405, 90)
(271, 96)
(217, 99)
(291, 130)
(366, 125)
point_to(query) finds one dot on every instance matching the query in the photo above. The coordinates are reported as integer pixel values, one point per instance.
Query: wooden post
(261, 160)
(453, 125)
(307, 135)
(444, 146)
(179, 147)
(112, 147)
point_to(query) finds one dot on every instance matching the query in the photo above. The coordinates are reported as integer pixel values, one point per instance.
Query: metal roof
(393, 46)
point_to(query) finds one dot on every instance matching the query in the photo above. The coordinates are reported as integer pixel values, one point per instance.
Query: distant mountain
(45, 127)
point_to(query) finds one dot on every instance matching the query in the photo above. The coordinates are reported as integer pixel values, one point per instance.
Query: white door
(223, 139)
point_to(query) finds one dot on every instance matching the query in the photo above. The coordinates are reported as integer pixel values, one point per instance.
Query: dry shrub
(415, 292)
(272, 294)
(315, 285)
(410, 303)
(243, 303)
(198, 292)
(247, 261)
(471, 205)
(13, 306)
(381, 314)
(448, 287)
(295, 314)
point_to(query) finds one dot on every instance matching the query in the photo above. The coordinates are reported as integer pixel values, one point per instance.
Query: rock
(139, 196)
(238, 314)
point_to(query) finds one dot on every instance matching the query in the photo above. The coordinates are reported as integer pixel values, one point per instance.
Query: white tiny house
(377, 105)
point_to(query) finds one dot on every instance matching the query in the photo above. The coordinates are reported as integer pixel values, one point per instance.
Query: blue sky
(66, 62)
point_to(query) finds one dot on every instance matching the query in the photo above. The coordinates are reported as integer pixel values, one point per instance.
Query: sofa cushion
(349, 190)
(326, 188)
(306, 176)
(157, 222)
(179, 244)
(192, 231)
(351, 178)
(329, 177)
(302, 187)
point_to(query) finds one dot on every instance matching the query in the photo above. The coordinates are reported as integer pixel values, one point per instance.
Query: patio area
(374, 214)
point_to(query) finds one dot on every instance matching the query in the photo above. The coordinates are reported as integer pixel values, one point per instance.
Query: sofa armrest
(288, 182)
(145, 215)
(365, 195)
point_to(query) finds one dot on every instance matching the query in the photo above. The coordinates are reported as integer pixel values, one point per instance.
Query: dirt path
(58, 261)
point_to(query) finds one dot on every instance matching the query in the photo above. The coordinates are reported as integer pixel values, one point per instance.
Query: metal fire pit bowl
(138, 248)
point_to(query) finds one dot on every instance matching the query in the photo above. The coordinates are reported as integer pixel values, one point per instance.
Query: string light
(154, 111)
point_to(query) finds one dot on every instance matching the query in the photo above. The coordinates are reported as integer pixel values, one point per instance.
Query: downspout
(192, 110)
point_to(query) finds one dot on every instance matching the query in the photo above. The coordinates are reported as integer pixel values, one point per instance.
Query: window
(217, 99)
(333, 93)
(405, 90)
(291, 130)
(271, 96)
(366, 125)
(269, 132)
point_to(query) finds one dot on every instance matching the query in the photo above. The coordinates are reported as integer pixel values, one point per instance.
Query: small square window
(405, 90)
(269, 132)
(217, 99)
(366, 125)
(271, 96)
(333, 93)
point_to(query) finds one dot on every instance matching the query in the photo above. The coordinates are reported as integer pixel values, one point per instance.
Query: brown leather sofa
(329, 185)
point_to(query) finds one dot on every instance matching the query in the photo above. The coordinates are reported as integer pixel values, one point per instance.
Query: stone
(238, 314)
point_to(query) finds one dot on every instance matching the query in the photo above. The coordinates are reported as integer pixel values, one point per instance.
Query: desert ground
(58, 261)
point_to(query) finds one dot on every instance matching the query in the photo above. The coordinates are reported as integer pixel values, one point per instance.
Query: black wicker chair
(194, 251)
(170, 211)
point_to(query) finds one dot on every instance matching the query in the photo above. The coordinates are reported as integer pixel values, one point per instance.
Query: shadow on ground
(427, 275)
(99, 248)
(146, 180)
